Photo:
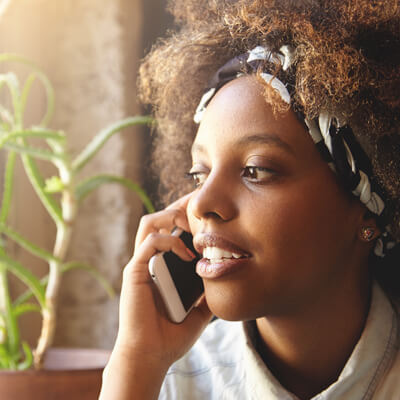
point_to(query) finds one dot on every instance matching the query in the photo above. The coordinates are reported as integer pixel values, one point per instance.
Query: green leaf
(101, 138)
(93, 271)
(3, 330)
(11, 325)
(4, 357)
(27, 363)
(68, 267)
(27, 277)
(11, 81)
(4, 127)
(87, 186)
(54, 185)
(25, 93)
(8, 186)
(20, 309)
(35, 152)
(38, 184)
(32, 133)
(7, 118)
(26, 244)
(8, 57)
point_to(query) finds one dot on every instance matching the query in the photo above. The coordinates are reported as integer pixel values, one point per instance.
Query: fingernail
(190, 252)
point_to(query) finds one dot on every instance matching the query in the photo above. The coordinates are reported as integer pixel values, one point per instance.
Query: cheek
(312, 218)
(326, 213)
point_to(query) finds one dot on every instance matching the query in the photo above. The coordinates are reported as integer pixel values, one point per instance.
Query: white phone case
(166, 286)
(163, 280)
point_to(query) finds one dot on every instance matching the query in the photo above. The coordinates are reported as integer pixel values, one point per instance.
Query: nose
(214, 199)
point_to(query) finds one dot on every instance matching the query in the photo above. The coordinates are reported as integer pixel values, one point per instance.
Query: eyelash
(195, 175)
(252, 169)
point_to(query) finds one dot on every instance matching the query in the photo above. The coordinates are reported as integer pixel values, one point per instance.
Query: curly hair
(347, 62)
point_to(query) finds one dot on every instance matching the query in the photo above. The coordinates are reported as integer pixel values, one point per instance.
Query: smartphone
(179, 285)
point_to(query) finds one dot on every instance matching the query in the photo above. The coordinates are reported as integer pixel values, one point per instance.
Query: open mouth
(217, 255)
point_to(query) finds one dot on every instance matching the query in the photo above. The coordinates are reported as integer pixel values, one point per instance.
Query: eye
(257, 174)
(198, 177)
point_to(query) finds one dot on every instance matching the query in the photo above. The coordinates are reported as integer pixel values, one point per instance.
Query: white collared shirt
(223, 364)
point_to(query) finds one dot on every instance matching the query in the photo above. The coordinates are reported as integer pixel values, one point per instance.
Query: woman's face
(276, 230)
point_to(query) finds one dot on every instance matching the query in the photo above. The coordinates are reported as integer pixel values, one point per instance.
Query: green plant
(16, 140)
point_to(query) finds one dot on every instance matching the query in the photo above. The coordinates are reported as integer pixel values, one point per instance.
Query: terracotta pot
(73, 374)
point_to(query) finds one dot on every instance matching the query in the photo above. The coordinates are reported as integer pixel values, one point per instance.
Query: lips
(220, 256)
(210, 240)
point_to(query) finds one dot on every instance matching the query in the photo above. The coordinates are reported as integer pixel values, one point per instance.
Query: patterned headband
(333, 138)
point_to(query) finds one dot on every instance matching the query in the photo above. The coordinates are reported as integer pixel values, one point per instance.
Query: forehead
(239, 109)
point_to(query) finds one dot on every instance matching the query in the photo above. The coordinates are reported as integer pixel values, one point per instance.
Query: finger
(181, 203)
(164, 220)
(165, 231)
(156, 242)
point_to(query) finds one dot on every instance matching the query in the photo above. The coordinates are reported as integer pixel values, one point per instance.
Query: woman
(296, 170)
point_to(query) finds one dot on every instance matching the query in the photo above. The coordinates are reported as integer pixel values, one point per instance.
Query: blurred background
(90, 50)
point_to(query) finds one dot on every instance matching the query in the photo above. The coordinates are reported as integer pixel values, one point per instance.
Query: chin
(230, 306)
(227, 315)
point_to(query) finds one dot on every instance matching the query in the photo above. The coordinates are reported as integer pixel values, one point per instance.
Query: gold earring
(367, 233)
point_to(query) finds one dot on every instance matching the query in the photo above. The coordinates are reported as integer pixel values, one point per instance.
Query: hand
(145, 330)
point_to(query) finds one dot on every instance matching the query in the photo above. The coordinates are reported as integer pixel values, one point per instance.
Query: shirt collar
(370, 360)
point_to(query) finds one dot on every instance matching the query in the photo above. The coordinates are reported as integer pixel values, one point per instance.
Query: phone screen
(188, 284)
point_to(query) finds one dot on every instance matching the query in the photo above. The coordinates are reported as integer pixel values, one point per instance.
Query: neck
(306, 352)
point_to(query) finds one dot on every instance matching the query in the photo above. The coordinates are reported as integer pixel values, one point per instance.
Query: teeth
(215, 254)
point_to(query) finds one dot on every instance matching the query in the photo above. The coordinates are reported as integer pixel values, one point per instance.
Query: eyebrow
(266, 138)
(259, 138)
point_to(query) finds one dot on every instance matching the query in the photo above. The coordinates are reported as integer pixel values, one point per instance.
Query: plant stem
(11, 324)
(49, 311)
(63, 238)
(3, 303)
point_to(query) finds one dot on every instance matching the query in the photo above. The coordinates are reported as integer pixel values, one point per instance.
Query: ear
(368, 229)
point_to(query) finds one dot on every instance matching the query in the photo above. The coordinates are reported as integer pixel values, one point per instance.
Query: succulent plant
(18, 140)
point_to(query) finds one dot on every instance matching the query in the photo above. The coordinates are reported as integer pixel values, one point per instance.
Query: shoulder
(214, 364)
(389, 387)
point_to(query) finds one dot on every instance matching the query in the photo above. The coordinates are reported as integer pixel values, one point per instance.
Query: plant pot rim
(60, 360)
